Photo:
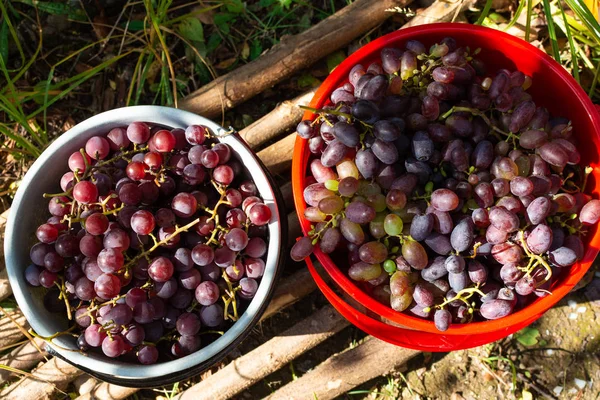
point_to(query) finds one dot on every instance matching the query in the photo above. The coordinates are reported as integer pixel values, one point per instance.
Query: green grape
(389, 266)
(393, 225)
(332, 185)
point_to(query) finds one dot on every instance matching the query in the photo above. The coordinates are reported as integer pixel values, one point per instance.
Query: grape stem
(462, 295)
(51, 337)
(231, 300)
(538, 260)
(63, 295)
(479, 114)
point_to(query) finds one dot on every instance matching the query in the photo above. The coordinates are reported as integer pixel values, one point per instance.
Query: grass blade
(516, 17)
(12, 31)
(20, 140)
(594, 82)
(567, 30)
(84, 77)
(528, 22)
(484, 12)
(551, 31)
(585, 15)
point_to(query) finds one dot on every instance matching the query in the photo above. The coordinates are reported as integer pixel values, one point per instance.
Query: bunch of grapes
(156, 240)
(451, 195)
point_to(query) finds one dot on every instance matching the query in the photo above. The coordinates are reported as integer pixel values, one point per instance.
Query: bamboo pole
(288, 57)
(283, 117)
(268, 358)
(344, 371)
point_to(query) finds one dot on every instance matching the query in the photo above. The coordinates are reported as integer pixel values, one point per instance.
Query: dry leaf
(226, 63)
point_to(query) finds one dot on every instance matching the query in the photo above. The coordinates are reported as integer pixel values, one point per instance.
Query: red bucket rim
(300, 157)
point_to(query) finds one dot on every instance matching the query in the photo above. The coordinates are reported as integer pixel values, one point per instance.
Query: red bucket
(552, 88)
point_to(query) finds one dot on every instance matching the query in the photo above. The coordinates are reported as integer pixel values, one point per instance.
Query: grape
(190, 279)
(46, 233)
(504, 220)
(330, 239)
(224, 257)
(393, 225)
(576, 244)
(259, 214)
(373, 252)
(421, 226)
(130, 194)
(334, 153)
(442, 319)
(414, 254)
(248, 287)
(439, 243)
(223, 174)
(147, 354)
(313, 194)
(188, 324)
(538, 210)
(462, 235)
(97, 147)
(458, 281)
(167, 289)
(142, 222)
(480, 218)
(138, 132)
(478, 272)
(351, 231)
(236, 239)
(553, 154)
(521, 115)
(495, 309)
(506, 253)
(385, 152)
(563, 257)
(435, 270)
(160, 269)
(119, 314)
(443, 75)
(135, 296)
(67, 245)
(117, 239)
(444, 200)
(96, 224)
(184, 205)
(423, 295)
(256, 247)
(202, 255)
(136, 170)
(590, 213)
(90, 246)
(117, 139)
(360, 213)
(78, 162)
(539, 239)
(211, 316)
(94, 335)
(363, 271)
(143, 313)
(320, 172)
(107, 286)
